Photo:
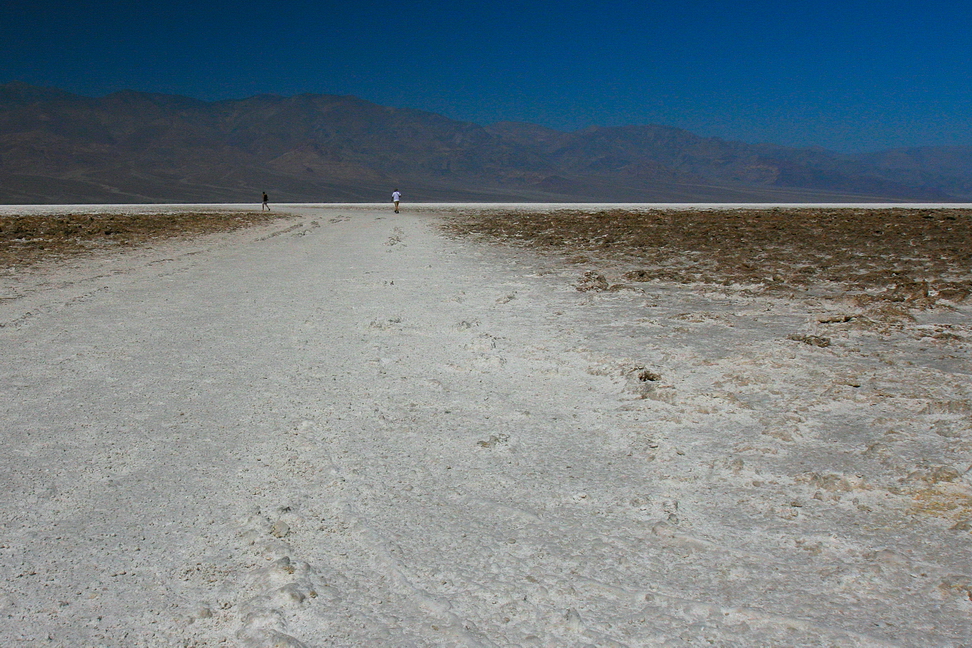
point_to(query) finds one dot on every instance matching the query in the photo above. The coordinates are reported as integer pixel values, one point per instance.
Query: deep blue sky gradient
(846, 75)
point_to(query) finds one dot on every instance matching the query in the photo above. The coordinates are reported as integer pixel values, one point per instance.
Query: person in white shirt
(396, 198)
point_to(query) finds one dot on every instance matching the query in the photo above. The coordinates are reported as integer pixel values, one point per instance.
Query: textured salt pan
(350, 430)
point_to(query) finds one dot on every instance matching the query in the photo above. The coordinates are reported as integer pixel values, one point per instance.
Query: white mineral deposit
(347, 428)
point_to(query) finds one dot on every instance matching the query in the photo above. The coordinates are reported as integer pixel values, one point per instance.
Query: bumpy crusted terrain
(28, 239)
(909, 258)
(349, 430)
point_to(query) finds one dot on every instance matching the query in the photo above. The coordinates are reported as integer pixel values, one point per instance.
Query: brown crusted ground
(914, 257)
(25, 240)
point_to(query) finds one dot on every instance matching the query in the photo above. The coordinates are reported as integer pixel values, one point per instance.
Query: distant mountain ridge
(57, 147)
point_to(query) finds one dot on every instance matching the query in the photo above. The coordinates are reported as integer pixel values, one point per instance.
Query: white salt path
(349, 430)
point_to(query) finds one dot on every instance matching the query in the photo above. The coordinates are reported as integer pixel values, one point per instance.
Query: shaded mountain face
(56, 147)
(947, 169)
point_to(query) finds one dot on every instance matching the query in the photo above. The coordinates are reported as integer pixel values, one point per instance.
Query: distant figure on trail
(396, 198)
(266, 202)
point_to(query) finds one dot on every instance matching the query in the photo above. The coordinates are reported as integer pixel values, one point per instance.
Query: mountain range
(133, 147)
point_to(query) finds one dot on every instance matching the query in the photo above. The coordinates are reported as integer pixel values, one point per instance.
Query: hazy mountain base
(114, 186)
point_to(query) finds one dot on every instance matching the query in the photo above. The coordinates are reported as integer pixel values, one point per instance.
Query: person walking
(266, 202)
(396, 198)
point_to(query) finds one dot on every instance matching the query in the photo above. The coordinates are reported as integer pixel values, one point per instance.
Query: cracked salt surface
(355, 431)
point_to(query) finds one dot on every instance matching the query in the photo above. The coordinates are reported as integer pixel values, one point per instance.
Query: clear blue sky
(849, 75)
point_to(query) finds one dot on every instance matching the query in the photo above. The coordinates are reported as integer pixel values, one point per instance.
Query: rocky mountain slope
(56, 147)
